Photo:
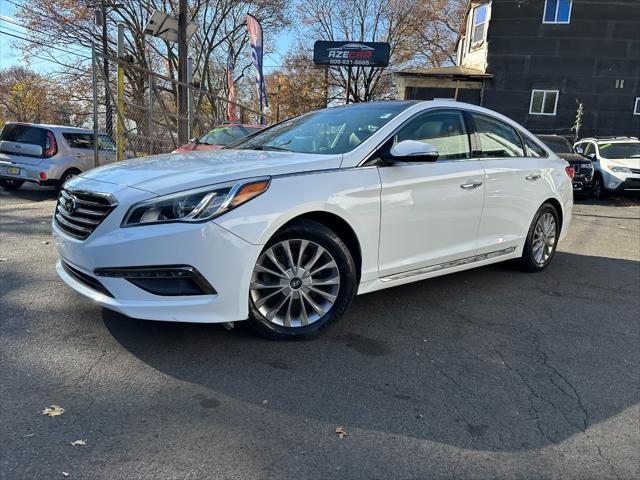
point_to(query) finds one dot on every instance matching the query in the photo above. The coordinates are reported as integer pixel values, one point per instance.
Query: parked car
(219, 137)
(616, 161)
(582, 166)
(286, 227)
(48, 154)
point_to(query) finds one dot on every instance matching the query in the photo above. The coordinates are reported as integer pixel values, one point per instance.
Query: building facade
(536, 61)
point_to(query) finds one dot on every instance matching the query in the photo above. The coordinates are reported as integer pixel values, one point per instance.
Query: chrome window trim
(412, 117)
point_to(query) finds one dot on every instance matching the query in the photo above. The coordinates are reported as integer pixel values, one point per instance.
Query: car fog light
(169, 280)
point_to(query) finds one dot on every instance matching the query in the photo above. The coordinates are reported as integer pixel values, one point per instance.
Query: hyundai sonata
(285, 227)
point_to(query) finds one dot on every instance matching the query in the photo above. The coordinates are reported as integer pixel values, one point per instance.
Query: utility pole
(105, 64)
(183, 135)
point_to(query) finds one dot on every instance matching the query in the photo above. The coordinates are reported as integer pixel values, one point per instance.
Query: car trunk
(23, 143)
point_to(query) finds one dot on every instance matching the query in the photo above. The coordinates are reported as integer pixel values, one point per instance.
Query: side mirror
(413, 151)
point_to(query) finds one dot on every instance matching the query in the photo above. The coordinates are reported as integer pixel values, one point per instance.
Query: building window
(557, 11)
(478, 30)
(636, 108)
(543, 102)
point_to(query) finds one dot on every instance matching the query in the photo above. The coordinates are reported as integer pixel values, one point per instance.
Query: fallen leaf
(65, 474)
(78, 443)
(53, 411)
(341, 432)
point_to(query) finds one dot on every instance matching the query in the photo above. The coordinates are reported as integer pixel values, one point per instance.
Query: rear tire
(290, 296)
(542, 239)
(11, 184)
(66, 176)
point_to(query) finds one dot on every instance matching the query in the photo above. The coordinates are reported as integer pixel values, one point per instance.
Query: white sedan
(285, 227)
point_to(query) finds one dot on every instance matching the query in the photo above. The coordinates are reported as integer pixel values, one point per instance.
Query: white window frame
(544, 97)
(636, 107)
(555, 20)
(473, 45)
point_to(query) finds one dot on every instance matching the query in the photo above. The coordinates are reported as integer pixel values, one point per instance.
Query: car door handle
(470, 186)
(532, 178)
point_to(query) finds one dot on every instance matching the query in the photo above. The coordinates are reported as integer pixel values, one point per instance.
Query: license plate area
(13, 170)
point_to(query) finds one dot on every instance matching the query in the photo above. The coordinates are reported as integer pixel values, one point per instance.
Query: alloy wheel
(544, 238)
(295, 283)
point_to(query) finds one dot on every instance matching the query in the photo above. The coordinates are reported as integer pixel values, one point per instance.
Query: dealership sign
(351, 54)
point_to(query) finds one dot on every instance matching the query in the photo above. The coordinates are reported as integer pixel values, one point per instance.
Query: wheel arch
(558, 206)
(339, 225)
(71, 168)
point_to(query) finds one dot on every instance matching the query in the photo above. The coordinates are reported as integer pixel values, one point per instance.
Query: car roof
(57, 128)
(609, 139)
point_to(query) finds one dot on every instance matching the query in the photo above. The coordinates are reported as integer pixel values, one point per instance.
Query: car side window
(106, 143)
(533, 149)
(589, 150)
(79, 140)
(497, 139)
(444, 129)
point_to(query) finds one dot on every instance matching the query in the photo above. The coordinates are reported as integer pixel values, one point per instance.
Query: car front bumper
(222, 258)
(621, 182)
(582, 183)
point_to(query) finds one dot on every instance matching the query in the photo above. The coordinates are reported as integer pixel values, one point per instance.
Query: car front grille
(635, 170)
(78, 212)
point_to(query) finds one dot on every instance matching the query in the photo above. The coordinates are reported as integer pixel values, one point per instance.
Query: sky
(10, 55)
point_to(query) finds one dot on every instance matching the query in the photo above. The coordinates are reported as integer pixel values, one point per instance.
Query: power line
(24, 39)
(28, 28)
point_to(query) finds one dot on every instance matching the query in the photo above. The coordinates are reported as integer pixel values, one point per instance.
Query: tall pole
(94, 78)
(189, 97)
(326, 86)
(348, 82)
(120, 98)
(105, 64)
(183, 135)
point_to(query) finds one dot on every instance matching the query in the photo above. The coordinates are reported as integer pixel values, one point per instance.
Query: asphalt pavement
(489, 373)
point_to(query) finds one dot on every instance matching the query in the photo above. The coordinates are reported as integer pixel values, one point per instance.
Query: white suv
(286, 226)
(48, 154)
(616, 161)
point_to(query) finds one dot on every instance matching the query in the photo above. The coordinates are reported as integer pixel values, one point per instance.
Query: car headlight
(620, 170)
(196, 205)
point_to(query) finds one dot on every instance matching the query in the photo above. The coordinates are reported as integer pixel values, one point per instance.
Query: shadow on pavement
(488, 359)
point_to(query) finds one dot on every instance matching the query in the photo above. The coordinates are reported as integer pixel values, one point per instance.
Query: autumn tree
(297, 87)
(26, 96)
(419, 32)
(65, 24)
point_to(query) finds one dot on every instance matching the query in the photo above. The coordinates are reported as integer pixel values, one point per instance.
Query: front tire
(304, 280)
(11, 184)
(598, 189)
(542, 239)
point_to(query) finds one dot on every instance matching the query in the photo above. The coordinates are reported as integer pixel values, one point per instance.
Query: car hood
(189, 147)
(173, 172)
(573, 158)
(624, 162)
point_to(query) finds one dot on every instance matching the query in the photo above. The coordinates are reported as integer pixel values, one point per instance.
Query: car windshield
(329, 131)
(620, 150)
(557, 145)
(225, 135)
